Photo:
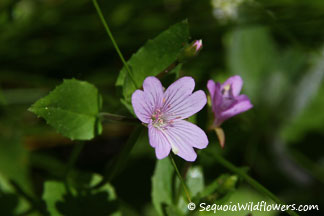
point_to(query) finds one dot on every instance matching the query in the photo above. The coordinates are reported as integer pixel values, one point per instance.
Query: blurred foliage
(84, 201)
(275, 45)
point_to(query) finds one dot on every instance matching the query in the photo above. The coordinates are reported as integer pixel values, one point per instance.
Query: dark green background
(276, 46)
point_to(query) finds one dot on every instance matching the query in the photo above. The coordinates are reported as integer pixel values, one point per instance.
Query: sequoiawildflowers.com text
(251, 206)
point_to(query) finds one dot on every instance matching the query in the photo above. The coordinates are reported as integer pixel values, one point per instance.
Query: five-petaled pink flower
(226, 99)
(164, 112)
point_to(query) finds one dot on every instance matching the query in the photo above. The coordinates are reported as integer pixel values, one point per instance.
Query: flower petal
(145, 102)
(159, 142)
(183, 136)
(141, 107)
(236, 83)
(153, 91)
(186, 107)
(243, 104)
(178, 91)
(211, 86)
(217, 98)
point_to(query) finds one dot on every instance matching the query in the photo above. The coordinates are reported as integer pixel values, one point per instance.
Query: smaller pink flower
(226, 99)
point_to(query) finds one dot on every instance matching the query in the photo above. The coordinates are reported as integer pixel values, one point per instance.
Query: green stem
(315, 170)
(118, 164)
(34, 202)
(251, 181)
(73, 158)
(115, 117)
(180, 177)
(95, 3)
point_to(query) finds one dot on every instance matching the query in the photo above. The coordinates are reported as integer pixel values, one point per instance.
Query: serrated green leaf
(154, 57)
(72, 109)
(162, 184)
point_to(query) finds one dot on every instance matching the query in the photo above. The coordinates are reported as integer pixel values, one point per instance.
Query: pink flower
(226, 99)
(164, 112)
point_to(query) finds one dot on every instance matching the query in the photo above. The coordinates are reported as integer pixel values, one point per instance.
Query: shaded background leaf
(162, 193)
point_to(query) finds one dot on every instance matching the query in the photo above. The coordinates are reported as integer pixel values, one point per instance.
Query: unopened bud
(197, 45)
(191, 50)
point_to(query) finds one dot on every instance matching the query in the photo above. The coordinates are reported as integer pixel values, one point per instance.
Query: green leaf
(222, 185)
(72, 109)
(154, 57)
(195, 183)
(14, 162)
(173, 211)
(251, 53)
(83, 201)
(311, 119)
(53, 192)
(162, 185)
(195, 180)
(306, 102)
(107, 187)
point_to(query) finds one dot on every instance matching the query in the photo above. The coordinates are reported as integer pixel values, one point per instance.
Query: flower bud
(197, 45)
(191, 50)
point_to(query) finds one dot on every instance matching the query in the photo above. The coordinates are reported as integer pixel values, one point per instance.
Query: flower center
(228, 98)
(158, 121)
(226, 90)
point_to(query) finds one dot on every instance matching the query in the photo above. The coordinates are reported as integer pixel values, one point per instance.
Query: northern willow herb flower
(164, 111)
(226, 99)
(227, 102)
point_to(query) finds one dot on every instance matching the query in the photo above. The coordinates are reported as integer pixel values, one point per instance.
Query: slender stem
(73, 158)
(251, 181)
(118, 164)
(314, 169)
(102, 18)
(34, 202)
(180, 177)
(168, 69)
(115, 117)
(21, 192)
(184, 171)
